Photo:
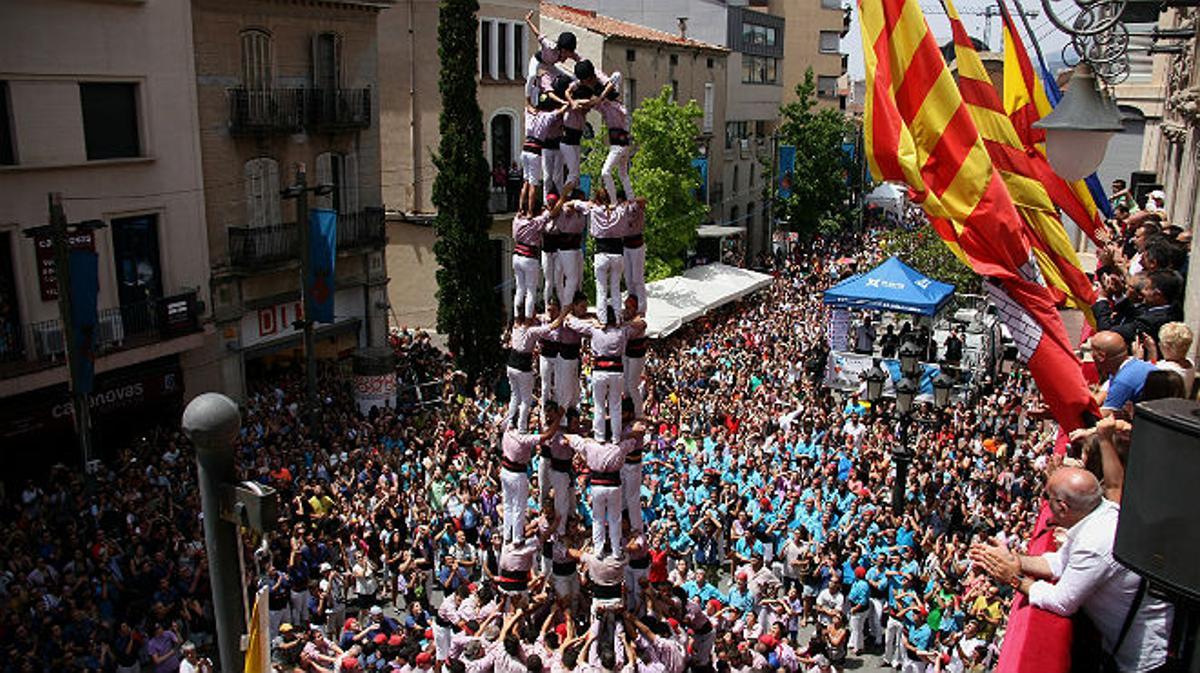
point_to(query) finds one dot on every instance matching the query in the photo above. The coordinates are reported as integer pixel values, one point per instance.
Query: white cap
(376, 610)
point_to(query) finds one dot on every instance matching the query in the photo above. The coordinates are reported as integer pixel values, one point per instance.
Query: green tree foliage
(923, 250)
(664, 134)
(820, 185)
(467, 311)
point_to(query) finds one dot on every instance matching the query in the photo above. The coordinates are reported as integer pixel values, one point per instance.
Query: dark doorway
(139, 274)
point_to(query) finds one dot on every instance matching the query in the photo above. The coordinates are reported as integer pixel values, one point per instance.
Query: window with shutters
(502, 49)
(262, 192)
(827, 86)
(709, 96)
(327, 61)
(257, 65)
(340, 172)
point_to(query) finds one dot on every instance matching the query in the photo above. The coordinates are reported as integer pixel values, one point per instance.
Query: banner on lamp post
(85, 288)
(322, 241)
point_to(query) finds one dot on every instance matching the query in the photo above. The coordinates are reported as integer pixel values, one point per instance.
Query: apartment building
(815, 32)
(281, 84)
(98, 103)
(410, 109)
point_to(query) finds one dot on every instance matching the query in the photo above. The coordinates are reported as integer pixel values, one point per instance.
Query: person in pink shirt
(631, 471)
(616, 120)
(607, 230)
(527, 231)
(608, 380)
(633, 216)
(634, 360)
(554, 471)
(604, 460)
(544, 63)
(515, 451)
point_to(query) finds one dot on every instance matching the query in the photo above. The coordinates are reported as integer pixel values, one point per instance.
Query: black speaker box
(1158, 534)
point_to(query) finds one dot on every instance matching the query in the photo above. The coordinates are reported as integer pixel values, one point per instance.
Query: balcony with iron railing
(31, 347)
(255, 112)
(337, 110)
(255, 248)
(266, 111)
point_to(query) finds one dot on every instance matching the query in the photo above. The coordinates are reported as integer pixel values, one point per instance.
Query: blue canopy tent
(891, 286)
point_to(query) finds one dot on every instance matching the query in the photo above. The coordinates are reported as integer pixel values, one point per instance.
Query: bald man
(1086, 574)
(1126, 376)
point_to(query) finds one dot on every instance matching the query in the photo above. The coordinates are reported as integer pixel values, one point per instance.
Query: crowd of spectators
(767, 502)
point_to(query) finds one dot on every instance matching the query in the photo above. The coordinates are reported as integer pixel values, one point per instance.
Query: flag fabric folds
(258, 653)
(1026, 101)
(918, 130)
(322, 241)
(85, 290)
(1055, 255)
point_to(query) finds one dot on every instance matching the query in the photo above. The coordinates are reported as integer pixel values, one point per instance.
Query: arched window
(262, 192)
(501, 131)
(257, 66)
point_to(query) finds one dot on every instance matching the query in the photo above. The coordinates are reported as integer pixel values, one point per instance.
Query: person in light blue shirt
(740, 596)
(918, 639)
(859, 603)
(700, 589)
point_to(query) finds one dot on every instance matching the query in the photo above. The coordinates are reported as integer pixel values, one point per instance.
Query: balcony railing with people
(296, 110)
(253, 248)
(34, 346)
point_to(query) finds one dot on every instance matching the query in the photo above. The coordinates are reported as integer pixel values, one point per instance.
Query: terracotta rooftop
(610, 27)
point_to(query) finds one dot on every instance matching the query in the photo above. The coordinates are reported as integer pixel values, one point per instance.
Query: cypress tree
(467, 310)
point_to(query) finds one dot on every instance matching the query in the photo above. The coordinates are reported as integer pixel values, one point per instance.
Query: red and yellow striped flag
(1055, 254)
(919, 131)
(1026, 102)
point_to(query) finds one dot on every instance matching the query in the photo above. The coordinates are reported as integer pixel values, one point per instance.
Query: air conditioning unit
(48, 340)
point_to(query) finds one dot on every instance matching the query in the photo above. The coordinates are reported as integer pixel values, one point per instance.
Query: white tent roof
(719, 231)
(671, 302)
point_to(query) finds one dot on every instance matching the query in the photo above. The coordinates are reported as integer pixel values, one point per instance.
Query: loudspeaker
(1158, 533)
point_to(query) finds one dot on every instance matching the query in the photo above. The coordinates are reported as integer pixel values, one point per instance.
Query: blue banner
(787, 169)
(85, 288)
(701, 164)
(322, 244)
(924, 380)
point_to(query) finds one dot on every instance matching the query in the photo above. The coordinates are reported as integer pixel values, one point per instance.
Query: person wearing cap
(740, 596)
(287, 647)
(516, 449)
(544, 63)
(917, 642)
(859, 602)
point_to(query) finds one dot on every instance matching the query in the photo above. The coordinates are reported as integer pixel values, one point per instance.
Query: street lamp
(943, 385)
(910, 358)
(875, 378)
(906, 390)
(1080, 126)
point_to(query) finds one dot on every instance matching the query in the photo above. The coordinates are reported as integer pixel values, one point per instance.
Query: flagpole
(1037, 48)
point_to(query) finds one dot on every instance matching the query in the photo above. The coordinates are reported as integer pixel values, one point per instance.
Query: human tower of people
(550, 225)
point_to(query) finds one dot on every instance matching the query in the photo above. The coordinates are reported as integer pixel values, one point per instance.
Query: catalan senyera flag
(1048, 239)
(258, 654)
(1026, 101)
(919, 131)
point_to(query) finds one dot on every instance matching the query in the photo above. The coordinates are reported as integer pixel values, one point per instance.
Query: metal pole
(62, 269)
(310, 348)
(901, 457)
(212, 421)
(774, 192)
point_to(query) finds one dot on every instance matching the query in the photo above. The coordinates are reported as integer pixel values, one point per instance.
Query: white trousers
(633, 382)
(858, 624)
(635, 274)
(606, 517)
(531, 167)
(570, 159)
(549, 275)
(566, 382)
(547, 373)
(631, 488)
(875, 621)
(514, 488)
(442, 637)
(893, 648)
(564, 496)
(552, 172)
(609, 268)
(565, 585)
(522, 398)
(606, 397)
(525, 274)
(570, 270)
(299, 602)
(617, 159)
